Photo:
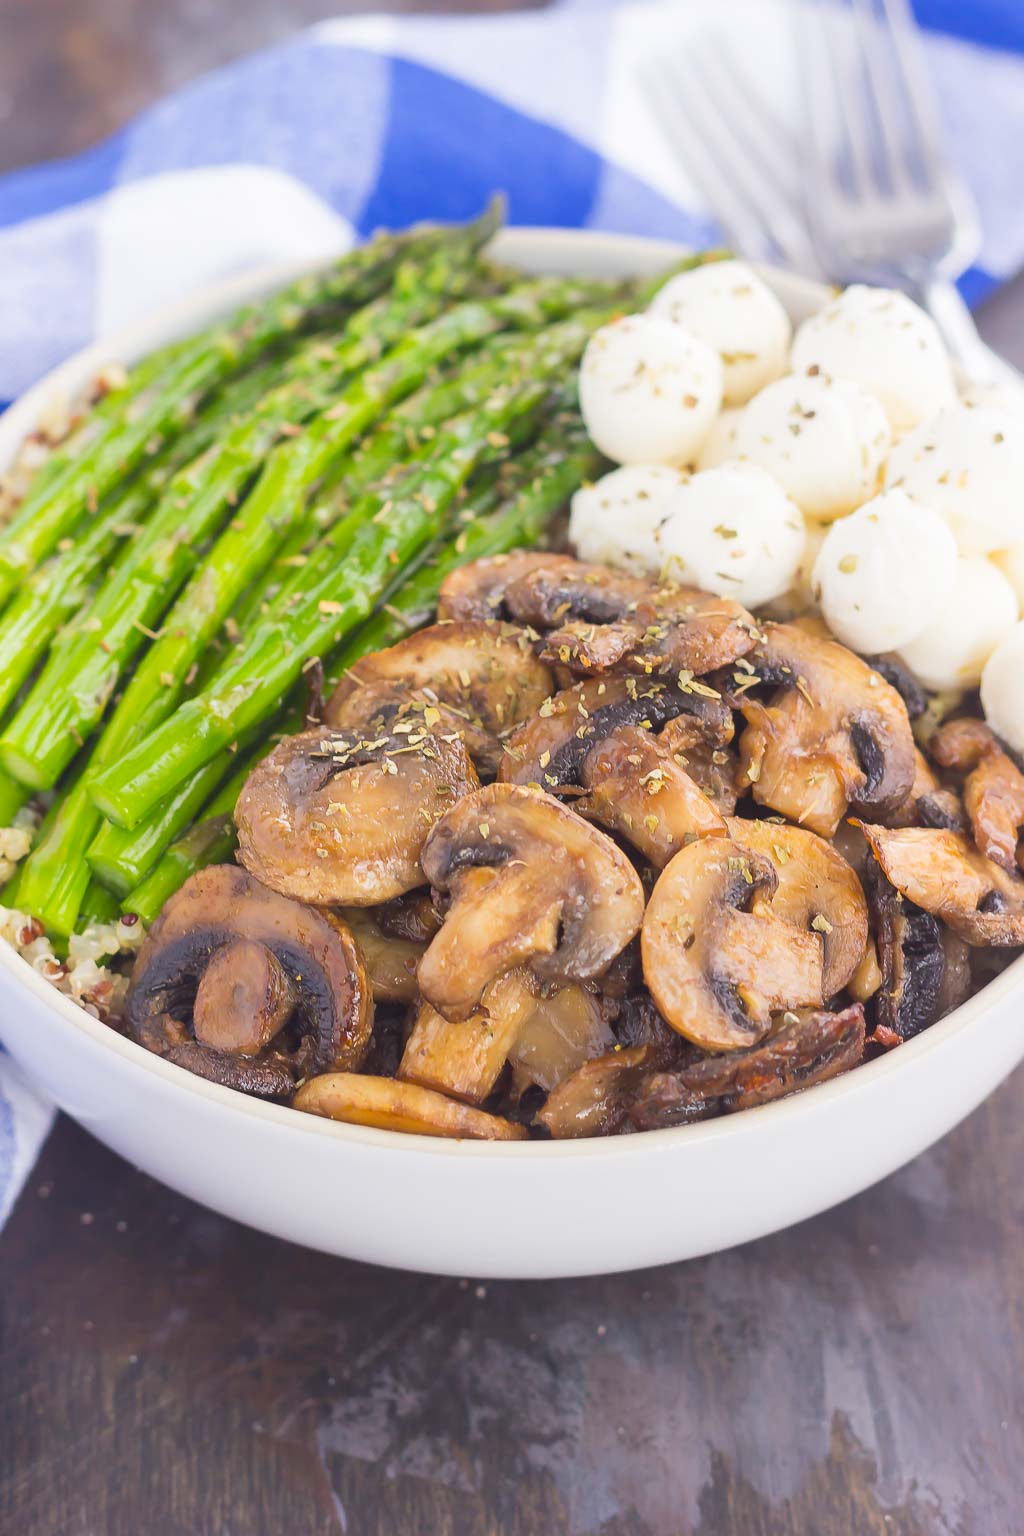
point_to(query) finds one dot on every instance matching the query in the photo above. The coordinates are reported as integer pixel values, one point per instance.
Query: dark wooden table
(166, 1373)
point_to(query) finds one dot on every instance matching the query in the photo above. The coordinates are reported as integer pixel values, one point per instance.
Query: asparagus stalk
(159, 397)
(210, 841)
(71, 694)
(332, 602)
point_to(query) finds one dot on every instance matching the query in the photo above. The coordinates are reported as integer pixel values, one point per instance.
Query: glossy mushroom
(834, 735)
(389, 1105)
(466, 1058)
(817, 890)
(670, 631)
(526, 882)
(478, 590)
(247, 987)
(993, 787)
(915, 951)
(339, 818)
(484, 673)
(717, 960)
(944, 873)
(637, 788)
(930, 803)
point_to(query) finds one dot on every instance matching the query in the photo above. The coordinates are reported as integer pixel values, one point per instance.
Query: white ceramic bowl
(509, 1210)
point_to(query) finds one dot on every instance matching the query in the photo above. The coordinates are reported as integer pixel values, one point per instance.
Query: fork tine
(893, 113)
(847, 71)
(764, 139)
(916, 86)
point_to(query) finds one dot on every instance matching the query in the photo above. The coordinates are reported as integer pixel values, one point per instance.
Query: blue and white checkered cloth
(373, 121)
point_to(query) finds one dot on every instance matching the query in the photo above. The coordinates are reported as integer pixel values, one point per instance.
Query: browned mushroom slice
(563, 1030)
(337, 818)
(527, 881)
(559, 590)
(388, 1105)
(411, 916)
(477, 591)
(945, 874)
(717, 961)
(390, 962)
(704, 756)
(247, 987)
(638, 789)
(817, 889)
(484, 672)
(835, 734)
(806, 1047)
(465, 1058)
(675, 630)
(912, 954)
(595, 1099)
(929, 803)
(550, 749)
(993, 789)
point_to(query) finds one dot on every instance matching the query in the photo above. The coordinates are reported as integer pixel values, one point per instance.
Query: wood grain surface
(164, 1372)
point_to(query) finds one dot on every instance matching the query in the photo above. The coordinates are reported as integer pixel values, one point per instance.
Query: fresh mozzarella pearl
(727, 305)
(614, 522)
(649, 391)
(719, 443)
(801, 595)
(1008, 398)
(1011, 563)
(884, 573)
(953, 649)
(1002, 688)
(733, 531)
(823, 441)
(969, 465)
(880, 339)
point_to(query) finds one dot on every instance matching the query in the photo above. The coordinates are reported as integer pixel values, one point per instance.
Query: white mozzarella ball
(727, 305)
(1002, 688)
(733, 531)
(884, 573)
(1008, 398)
(649, 391)
(823, 441)
(953, 649)
(614, 522)
(969, 465)
(1011, 563)
(801, 595)
(719, 445)
(880, 339)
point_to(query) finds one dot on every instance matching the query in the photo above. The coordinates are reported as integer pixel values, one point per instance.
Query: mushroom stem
(244, 998)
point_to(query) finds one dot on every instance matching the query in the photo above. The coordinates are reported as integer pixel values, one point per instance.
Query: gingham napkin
(372, 121)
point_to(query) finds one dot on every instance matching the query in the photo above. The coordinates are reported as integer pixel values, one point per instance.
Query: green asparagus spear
(160, 396)
(210, 841)
(333, 601)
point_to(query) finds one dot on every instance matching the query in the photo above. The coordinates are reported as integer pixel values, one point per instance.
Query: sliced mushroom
(527, 881)
(816, 889)
(835, 734)
(562, 1031)
(465, 1059)
(637, 788)
(549, 750)
(477, 591)
(390, 962)
(806, 1047)
(247, 987)
(595, 1099)
(929, 803)
(706, 759)
(717, 961)
(339, 818)
(899, 676)
(993, 788)
(944, 873)
(671, 631)
(912, 961)
(389, 1105)
(483, 672)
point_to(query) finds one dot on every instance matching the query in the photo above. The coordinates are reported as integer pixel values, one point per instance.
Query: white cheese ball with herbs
(968, 463)
(1011, 563)
(1005, 397)
(953, 649)
(649, 391)
(881, 340)
(720, 443)
(727, 305)
(824, 441)
(884, 573)
(1002, 688)
(733, 531)
(616, 520)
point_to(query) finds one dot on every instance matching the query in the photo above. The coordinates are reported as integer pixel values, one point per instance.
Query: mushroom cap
(912, 958)
(483, 670)
(993, 789)
(390, 1105)
(334, 818)
(942, 872)
(669, 631)
(528, 881)
(929, 803)
(638, 789)
(222, 908)
(390, 961)
(549, 750)
(477, 590)
(715, 968)
(817, 889)
(835, 735)
(560, 589)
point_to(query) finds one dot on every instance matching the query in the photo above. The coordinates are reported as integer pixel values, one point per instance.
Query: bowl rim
(133, 341)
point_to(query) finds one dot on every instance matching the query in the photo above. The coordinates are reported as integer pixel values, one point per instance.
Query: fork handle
(942, 300)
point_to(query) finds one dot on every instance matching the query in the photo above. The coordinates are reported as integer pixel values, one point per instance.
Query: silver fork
(864, 193)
